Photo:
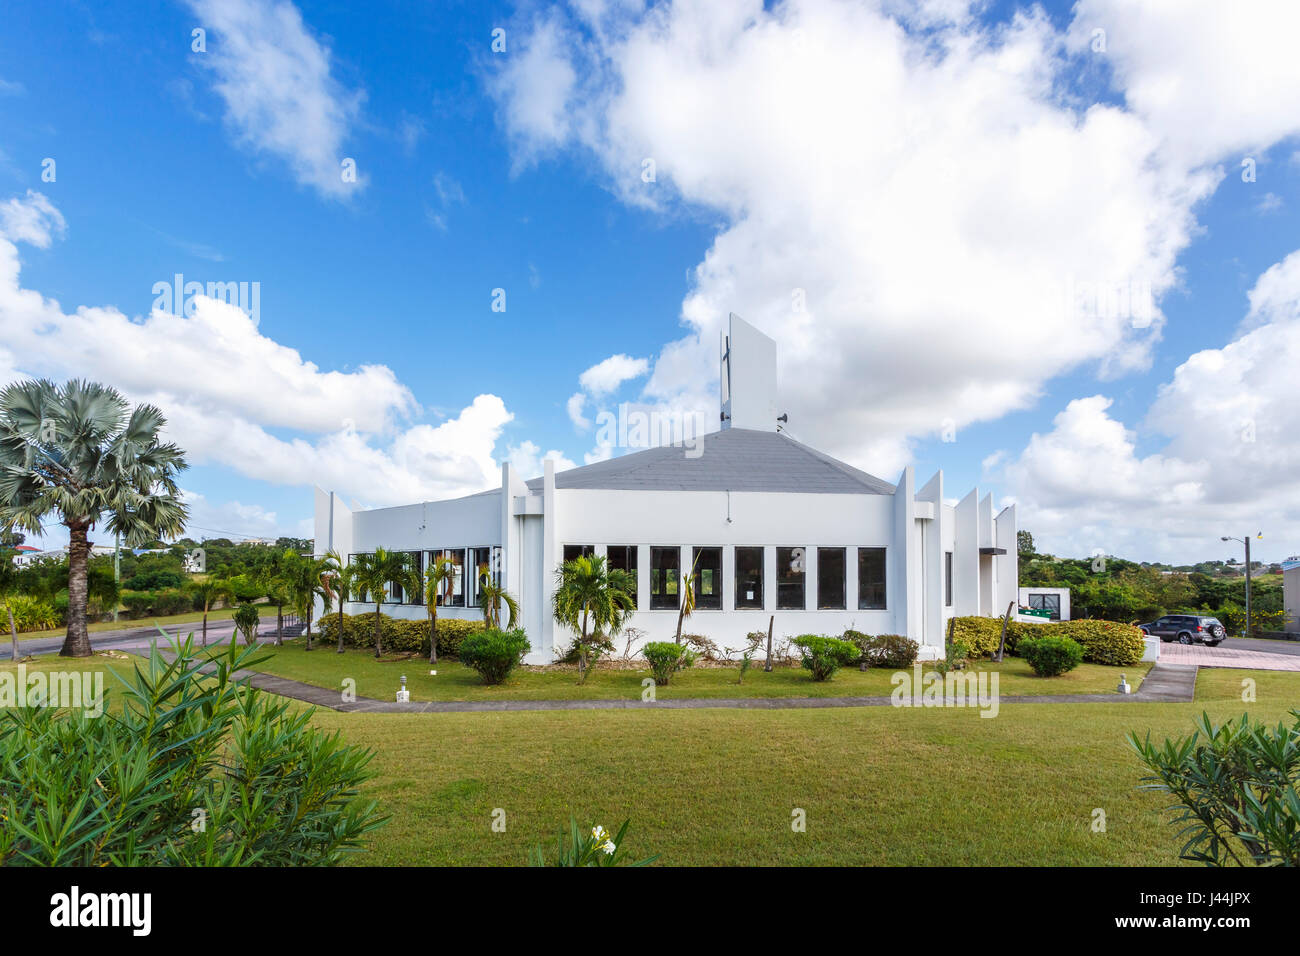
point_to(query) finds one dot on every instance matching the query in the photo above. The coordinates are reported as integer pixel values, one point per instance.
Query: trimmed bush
(494, 654)
(1051, 656)
(823, 656)
(894, 651)
(398, 634)
(1104, 642)
(665, 657)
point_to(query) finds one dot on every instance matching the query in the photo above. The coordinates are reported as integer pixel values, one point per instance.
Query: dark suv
(1187, 629)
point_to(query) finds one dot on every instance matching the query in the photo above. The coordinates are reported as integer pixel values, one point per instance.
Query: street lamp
(1246, 542)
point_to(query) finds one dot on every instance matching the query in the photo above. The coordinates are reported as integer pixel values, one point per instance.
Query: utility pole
(1246, 542)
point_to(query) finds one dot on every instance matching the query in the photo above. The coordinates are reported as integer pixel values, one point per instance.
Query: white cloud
(280, 95)
(577, 401)
(528, 459)
(1229, 463)
(236, 398)
(607, 375)
(535, 84)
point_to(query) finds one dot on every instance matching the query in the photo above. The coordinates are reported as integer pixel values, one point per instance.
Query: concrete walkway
(1169, 683)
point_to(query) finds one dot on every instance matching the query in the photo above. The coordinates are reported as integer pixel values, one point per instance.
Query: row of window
(463, 584)
(792, 586)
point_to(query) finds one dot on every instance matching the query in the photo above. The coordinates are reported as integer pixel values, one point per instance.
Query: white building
(1056, 601)
(773, 528)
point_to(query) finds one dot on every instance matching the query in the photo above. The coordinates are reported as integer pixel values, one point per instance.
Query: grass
(879, 786)
(380, 679)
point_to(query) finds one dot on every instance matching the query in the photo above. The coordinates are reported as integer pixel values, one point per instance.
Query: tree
(247, 618)
(79, 451)
(588, 592)
(688, 598)
(490, 598)
(273, 579)
(338, 587)
(209, 590)
(306, 576)
(439, 581)
(375, 572)
(1025, 543)
(9, 587)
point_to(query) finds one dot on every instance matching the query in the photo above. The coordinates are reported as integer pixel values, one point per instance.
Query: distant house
(1055, 601)
(1291, 593)
(773, 529)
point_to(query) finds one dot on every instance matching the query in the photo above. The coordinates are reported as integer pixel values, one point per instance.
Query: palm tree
(490, 598)
(306, 576)
(9, 587)
(338, 587)
(274, 580)
(79, 451)
(587, 591)
(688, 598)
(375, 572)
(439, 582)
(214, 587)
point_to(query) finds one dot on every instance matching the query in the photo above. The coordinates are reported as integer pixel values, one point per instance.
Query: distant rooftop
(735, 459)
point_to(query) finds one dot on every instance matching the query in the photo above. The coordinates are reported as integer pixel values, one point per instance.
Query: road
(133, 638)
(1258, 644)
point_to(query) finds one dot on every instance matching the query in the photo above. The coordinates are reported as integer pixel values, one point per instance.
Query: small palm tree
(274, 578)
(490, 598)
(374, 573)
(215, 587)
(439, 584)
(588, 592)
(306, 576)
(688, 598)
(80, 452)
(338, 587)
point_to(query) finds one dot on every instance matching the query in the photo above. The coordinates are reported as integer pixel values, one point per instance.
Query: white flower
(609, 847)
(598, 833)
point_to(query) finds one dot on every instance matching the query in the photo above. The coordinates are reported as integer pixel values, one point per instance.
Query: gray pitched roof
(735, 459)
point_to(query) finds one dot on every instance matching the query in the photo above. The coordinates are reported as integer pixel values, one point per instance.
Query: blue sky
(472, 178)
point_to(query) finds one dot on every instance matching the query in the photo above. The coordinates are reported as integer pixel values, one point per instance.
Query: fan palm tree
(80, 452)
(306, 575)
(439, 583)
(373, 575)
(490, 598)
(589, 592)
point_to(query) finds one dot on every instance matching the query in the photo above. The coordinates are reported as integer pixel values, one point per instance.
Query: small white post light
(1124, 687)
(403, 695)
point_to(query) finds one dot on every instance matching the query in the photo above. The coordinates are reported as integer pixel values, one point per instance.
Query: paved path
(1233, 653)
(1163, 683)
(137, 637)
(1267, 645)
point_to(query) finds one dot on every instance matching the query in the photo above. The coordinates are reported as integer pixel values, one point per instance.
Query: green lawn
(124, 624)
(324, 667)
(879, 785)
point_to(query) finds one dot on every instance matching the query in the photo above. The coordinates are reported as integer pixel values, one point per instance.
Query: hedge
(1104, 642)
(398, 634)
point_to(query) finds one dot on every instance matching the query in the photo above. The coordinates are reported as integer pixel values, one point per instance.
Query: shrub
(1235, 787)
(493, 653)
(955, 658)
(30, 614)
(398, 634)
(137, 603)
(703, 647)
(124, 787)
(155, 580)
(1050, 656)
(1104, 642)
(823, 656)
(665, 657)
(894, 651)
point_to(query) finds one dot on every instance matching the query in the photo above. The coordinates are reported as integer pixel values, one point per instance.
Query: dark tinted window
(665, 576)
(708, 578)
(572, 551)
(622, 557)
(871, 578)
(749, 577)
(830, 579)
(790, 579)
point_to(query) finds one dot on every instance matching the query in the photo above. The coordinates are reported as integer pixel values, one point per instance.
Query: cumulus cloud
(280, 95)
(605, 376)
(1229, 460)
(528, 458)
(348, 431)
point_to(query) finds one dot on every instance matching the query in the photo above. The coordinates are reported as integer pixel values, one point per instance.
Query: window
(665, 575)
(790, 579)
(481, 560)
(456, 586)
(1046, 602)
(749, 578)
(417, 565)
(947, 579)
(708, 578)
(572, 551)
(871, 579)
(622, 557)
(831, 586)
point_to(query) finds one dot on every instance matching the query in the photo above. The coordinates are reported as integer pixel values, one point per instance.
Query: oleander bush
(823, 656)
(1051, 656)
(493, 653)
(1235, 787)
(183, 769)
